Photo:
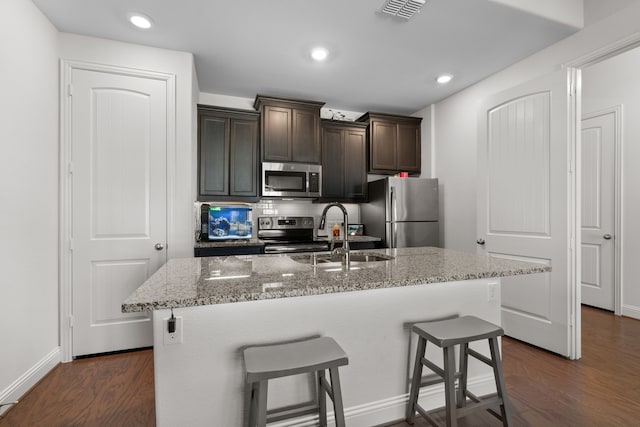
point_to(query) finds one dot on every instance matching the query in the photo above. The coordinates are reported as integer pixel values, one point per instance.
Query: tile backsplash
(292, 208)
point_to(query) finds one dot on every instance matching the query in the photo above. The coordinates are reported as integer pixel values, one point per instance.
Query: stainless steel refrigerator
(403, 212)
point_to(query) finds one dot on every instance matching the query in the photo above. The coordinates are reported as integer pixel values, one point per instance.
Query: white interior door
(598, 209)
(118, 187)
(524, 205)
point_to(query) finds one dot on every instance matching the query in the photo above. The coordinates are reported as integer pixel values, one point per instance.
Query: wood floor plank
(113, 390)
(602, 389)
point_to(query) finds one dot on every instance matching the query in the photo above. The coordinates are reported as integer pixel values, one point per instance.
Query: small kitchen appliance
(229, 222)
(291, 180)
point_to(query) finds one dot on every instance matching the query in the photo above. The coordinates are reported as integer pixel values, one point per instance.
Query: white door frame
(617, 200)
(65, 170)
(612, 49)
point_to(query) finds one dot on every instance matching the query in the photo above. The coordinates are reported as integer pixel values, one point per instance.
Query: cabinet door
(213, 154)
(332, 163)
(355, 164)
(276, 134)
(408, 148)
(243, 165)
(383, 146)
(306, 136)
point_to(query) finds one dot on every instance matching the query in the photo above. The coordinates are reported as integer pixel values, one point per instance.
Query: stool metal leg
(322, 399)
(450, 386)
(338, 408)
(261, 416)
(462, 384)
(253, 404)
(415, 382)
(505, 407)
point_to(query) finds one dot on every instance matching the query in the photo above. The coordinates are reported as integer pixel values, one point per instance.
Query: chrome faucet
(344, 250)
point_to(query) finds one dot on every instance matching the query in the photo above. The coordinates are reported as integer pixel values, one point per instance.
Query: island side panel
(201, 381)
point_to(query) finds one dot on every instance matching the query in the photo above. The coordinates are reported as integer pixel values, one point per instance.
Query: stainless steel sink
(328, 260)
(369, 257)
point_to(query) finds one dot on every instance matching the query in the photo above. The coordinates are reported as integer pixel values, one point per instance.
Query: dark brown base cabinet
(394, 143)
(344, 161)
(290, 129)
(227, 154)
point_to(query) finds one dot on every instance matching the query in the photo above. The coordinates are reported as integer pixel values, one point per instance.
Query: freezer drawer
(411, 234)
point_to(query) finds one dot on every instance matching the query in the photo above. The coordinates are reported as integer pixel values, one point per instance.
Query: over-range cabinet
(290, 129)
(403, 212)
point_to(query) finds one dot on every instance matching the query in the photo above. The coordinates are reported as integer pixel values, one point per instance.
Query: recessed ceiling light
(445, 78)
(319, 53)
(140, 21)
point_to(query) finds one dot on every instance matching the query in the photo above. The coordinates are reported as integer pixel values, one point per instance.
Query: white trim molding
(605, 52)
(19, 387)
(65, 182)
(392, 408)
(631, 311)
(618, 141)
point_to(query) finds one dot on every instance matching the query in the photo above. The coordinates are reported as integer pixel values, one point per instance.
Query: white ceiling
(376, 63)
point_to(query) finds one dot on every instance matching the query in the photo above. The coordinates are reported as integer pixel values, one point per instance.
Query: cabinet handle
(607, 236)
(159, 246)
(480, 241)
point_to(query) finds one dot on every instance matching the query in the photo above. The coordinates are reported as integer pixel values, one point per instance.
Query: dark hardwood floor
(114, 390)
(602, 389)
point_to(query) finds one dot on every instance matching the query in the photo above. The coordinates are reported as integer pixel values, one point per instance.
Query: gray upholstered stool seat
(446, 334)
(280, 360)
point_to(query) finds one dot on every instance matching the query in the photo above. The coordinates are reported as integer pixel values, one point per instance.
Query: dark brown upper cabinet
(394, 143)
(227, 154)
(290, 129)
(344, 161)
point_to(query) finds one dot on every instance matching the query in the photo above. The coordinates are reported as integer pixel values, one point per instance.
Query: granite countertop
(187, 282)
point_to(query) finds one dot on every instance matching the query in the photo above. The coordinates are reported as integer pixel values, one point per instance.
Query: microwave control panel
(314, 182)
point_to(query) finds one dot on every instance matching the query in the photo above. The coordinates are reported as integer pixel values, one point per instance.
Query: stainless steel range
(286, 234)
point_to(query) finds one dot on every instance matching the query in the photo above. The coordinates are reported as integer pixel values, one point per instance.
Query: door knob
(607, 236)
(159, 246)
(480, 241)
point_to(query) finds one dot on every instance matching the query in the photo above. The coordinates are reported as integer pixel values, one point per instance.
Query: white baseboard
(631, 311)
(393, 408)
(27, 380)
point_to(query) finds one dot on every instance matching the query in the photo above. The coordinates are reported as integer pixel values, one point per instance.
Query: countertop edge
(323, 290)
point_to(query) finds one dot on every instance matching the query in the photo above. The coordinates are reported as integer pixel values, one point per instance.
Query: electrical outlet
(174, 337)
(491, 291)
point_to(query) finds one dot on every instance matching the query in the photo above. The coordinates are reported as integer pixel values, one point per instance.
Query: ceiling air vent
(403, 8)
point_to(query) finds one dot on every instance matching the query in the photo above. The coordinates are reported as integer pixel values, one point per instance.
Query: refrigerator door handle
(392, 205)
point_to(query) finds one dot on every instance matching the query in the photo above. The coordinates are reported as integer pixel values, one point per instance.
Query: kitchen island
(227, 303)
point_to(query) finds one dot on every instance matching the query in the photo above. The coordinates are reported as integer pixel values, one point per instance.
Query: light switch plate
(491, 291)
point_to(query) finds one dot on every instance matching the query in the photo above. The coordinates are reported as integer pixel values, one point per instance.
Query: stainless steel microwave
(291, 180)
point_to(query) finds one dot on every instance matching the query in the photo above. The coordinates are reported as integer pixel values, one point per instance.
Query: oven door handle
(276, 249)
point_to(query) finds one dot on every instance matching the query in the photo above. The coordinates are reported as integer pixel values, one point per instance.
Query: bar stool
(446, 334)
(280, 360)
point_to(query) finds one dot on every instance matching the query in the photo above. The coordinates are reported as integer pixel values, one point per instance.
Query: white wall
(28, 196)
(607, 84)
(89, 49)
(595, 10)
(426, 155)
(568, 12)
(455, 121)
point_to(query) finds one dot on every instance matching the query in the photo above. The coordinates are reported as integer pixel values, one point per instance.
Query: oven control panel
(285, 222)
